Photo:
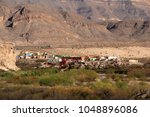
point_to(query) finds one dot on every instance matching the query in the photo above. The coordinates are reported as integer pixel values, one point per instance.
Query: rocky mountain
(74, 22)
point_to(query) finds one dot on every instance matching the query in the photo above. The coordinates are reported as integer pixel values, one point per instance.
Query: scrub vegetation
(51, 83)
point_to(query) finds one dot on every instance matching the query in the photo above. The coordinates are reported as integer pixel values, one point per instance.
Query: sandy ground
(125, 52)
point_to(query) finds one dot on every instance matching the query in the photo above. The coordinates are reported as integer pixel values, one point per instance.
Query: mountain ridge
(70, 22)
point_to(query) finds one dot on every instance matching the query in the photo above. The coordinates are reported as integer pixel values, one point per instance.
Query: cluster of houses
(69, 62)
(32, 55)
(94, 62)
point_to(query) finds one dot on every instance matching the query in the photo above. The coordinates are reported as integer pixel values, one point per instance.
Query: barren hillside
(70, 22)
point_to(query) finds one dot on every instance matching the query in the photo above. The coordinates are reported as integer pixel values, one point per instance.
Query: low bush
(25, 81)
(104, 89)
(121, 84)
(38, 72)
(6, 75)
(55, 80)
(83, 75)
(58, 92)
(137, 74)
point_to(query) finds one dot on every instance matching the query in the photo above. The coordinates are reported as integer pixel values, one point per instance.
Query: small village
(64, 62)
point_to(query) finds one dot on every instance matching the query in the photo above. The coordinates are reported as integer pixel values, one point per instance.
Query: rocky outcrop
(7, 57)
(130, 28)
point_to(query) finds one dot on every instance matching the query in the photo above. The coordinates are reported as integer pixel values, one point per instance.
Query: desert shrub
(105, 93)
(55, 80)
(25, 81)
(58, 92)
(137, 74)
(114, 76)
(6, 75)
(84, 78)
(108, 89)
(31, 73)
(139, 91)
(121, 94)
(81, 93)
(121, 71)
(47, 71)
(71, 93)
(50, 76)
(121, 84)
(147, 74)
(109, 70)
(104, 89)
(100, 90)
(83, 75)
(105, 83)
(114, 70)
(68, 77)
(38, 72)
(27, 64)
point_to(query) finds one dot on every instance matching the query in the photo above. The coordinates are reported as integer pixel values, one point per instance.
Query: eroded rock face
(130, 29)
(7, 57)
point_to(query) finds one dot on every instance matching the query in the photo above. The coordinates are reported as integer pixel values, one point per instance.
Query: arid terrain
(75, 49)
(73, 23)
(123, 52)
